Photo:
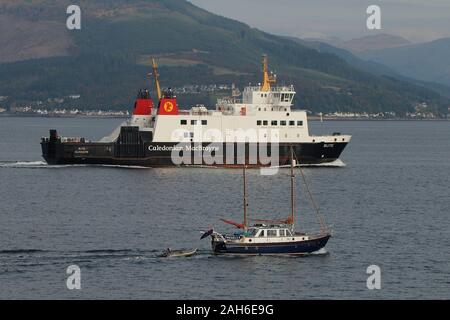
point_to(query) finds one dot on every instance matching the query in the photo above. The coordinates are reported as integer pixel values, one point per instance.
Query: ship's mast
(245, 199)
(267, 79)
(156, 75)
(292, 188)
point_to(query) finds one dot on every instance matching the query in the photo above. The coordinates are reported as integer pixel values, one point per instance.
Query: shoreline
(374, 119)
(10, 115)
(310, 118)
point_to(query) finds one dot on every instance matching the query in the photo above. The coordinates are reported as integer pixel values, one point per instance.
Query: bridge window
(274, 122)
(282, 123)
(258, 123)
(204, 122)
(183, 122)
(299, 123)
(292, 123)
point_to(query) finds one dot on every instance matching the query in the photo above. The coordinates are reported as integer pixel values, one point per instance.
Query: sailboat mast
(292, 188)
(245, 200)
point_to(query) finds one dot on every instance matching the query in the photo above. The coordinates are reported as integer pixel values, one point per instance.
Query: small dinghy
(178, 253)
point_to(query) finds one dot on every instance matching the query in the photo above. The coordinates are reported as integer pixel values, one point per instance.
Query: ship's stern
(50, 146)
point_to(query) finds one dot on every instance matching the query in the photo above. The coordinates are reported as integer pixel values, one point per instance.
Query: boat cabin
(269, 232)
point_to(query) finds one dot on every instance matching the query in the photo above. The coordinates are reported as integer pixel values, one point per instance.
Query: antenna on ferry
(156, 75)
(267, 79)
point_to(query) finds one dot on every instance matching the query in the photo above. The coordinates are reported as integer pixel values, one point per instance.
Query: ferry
(255, 129)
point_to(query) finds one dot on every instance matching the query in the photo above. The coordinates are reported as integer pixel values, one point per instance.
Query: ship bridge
(262, 98)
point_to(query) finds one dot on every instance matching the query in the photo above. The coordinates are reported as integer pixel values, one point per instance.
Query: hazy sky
(416, 20)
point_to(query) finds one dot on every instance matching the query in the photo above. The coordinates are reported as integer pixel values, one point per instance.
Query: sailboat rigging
(271, 236)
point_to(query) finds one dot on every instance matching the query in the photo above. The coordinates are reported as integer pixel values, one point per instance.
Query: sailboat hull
(284, 248)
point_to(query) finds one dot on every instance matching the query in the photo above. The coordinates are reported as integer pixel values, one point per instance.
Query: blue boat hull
(288, 248)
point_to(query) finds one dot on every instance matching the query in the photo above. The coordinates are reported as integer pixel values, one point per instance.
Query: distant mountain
(359, 63)
(427, 61)
(108, 60)
(375, 42)
(372, 66)
(366, 43)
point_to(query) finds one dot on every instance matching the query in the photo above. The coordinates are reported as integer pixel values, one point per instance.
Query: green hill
(107, 61)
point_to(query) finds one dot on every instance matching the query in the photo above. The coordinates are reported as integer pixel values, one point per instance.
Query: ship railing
(225, 101)
(73, 139)
(272, 89)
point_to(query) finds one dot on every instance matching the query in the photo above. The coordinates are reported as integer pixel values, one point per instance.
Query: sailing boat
(269, 236)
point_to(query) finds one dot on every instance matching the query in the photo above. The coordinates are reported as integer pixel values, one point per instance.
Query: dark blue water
(388, 206)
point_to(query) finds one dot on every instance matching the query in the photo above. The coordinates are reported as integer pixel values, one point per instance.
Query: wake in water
(44, 165)
(334, 164)
(18, 164)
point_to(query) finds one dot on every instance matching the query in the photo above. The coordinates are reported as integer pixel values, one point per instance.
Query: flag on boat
(207, 234)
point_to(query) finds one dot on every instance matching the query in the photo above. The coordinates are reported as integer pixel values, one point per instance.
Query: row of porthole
(293, 239)
(271, 109)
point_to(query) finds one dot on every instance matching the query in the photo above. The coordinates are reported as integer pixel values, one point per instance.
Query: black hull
(101, 154)
(303, 247)
(134, 149)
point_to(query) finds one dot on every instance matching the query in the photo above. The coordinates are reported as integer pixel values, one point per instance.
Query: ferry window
(282, 123)
(193, 122)
(183, 122)
(204, 122)
(274, 122)
(288, 233)
(262, 233)
(299, 123)
(292, 123)
(262, 95)
(271, 233)
(282, 233)
(265, 123)
(186, 134)
(258, 123)
(282, 97)
(259, 109)
(191, 134)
